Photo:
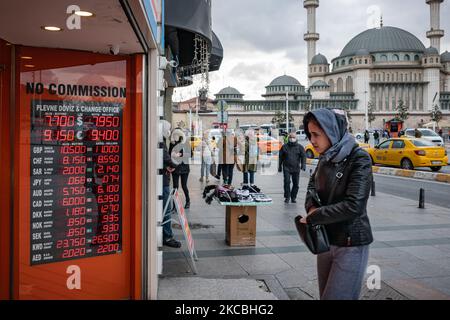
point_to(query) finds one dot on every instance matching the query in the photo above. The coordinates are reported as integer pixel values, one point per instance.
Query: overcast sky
(263, 39)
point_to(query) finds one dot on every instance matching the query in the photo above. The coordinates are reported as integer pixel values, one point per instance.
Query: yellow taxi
(311, 153)
(409, 153)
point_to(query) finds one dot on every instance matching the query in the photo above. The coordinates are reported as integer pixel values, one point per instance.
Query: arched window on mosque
(360, 61)
(350, 61)
(366, 61)
(349, 84)
(374, 59)
(431, 60)
(331, 84)
(396, 57)
(315, 69)
(425, 60)
(320, 69)
(340, 85)
(416, 57)
(337, 64)
(343, 62)
(384, 58)
(407, 57)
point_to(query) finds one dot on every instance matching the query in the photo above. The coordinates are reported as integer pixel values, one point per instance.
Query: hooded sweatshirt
(335, 127)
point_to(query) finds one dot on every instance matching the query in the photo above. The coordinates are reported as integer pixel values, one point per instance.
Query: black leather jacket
(344, 214)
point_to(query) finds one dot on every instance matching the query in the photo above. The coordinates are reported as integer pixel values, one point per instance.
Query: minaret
(435, 34)
(311, 36)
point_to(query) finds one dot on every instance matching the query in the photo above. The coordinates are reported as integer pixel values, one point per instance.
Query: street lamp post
(287, 112)
(366, 109)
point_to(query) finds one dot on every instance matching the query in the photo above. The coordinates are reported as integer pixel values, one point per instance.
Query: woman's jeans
(341, 272)
(205, 169)
(252, 177)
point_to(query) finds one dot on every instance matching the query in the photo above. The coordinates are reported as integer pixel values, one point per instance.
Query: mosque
(378, 67)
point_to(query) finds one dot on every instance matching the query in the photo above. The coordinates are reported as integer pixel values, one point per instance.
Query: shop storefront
(78, 121)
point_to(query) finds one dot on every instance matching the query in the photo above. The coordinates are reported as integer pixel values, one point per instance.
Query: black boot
(187, 205)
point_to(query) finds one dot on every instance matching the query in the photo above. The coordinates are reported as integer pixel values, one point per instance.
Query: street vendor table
(240, 222)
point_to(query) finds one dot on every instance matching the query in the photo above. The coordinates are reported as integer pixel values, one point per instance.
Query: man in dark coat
(292, 160)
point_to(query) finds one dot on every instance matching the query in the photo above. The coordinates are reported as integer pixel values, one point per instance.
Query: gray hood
(335, 127)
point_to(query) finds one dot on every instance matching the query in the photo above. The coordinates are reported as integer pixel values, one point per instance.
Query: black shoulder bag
(315, 236)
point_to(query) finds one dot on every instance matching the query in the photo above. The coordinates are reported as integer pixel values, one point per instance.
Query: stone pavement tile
(196, 288)
(442, 262)
(262, 264)
(176, 267)
(422, 269)
(280, 241)
(299, 260)
(297, 277)
(443, 247)
(442, 284)
(207, 244)
(385, 292)
(404, 235)
(218, 267)
(389, 254)
(426, 252)
(417, 289)
(298, 294)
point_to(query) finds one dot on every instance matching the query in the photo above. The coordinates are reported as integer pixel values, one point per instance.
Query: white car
(427, 134)
(301, 135)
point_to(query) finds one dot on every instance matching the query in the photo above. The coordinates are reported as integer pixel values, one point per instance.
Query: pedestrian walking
(292, 161)
(376, 138)
(227, 156)
(342, 181)
(366, 136)
(168, 239)
(250, 157)
(180, 153)
(206, 153)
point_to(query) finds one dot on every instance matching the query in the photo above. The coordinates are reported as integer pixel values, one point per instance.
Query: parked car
(409, 153)
(427, 134)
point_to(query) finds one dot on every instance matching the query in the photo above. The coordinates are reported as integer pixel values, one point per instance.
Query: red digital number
(73, 149)
(60, 121)
(108, 159)
(77, 211)
(106, 238)
(69, 191)
(74, 160)
(76, 222)
(72, 253)
(76, 180)
(105, 135)
(107, 169)
(74, 170)
(109, 228)
(108, 218)
(107, 149)
(70, 243)
(108, 198)
(111, 178)
(59, 135)
(73, 201)
(76, 232)
(106, 121)
(108, 248)
(107, 208)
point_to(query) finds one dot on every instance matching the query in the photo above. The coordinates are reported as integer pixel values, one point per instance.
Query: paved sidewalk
(412, 249)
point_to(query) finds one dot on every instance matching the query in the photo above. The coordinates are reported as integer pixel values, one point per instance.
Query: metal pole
(287, 112)
(366, 109)
(422, 199)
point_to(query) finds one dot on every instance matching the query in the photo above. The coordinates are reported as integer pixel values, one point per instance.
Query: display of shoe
(201, 179)
(286, 200)
(207, 180)
(172, 243)
(187, 205)
(293, 201)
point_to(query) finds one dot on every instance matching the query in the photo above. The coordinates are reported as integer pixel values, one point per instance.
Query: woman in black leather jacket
(342, 181)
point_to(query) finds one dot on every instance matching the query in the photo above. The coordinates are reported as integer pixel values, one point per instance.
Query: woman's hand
(311, 211)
